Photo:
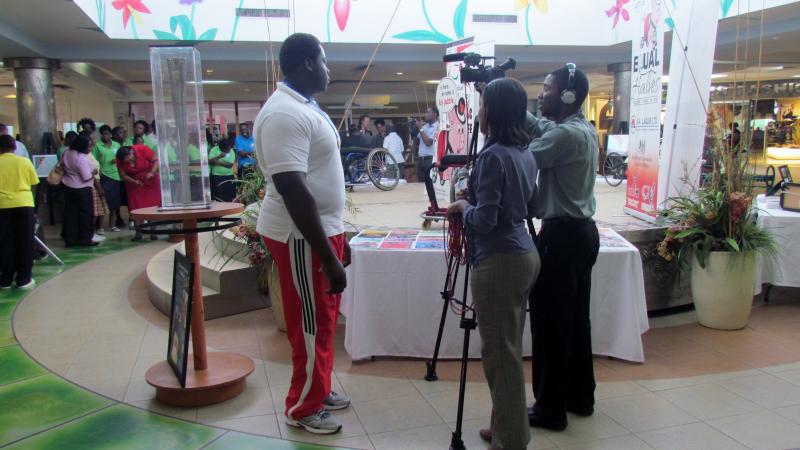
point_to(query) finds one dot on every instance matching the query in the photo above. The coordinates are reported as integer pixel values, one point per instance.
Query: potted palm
(714, 232)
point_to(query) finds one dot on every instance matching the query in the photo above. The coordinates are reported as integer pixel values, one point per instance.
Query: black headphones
(568, 94)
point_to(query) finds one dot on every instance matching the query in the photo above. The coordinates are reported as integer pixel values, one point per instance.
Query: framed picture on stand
(180, 316)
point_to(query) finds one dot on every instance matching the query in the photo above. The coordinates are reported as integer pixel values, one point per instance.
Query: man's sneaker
(101, 231)
(5, 286)
(335, 402)
(321, 422)
(98, 238)
(115, 229)
(28, 285)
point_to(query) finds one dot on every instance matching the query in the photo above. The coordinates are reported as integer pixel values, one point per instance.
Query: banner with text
(645, 120)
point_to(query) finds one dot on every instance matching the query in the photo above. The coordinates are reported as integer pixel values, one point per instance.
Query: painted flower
(341, 9)
(189, 2)
(617, 11)
(129, 7)
(541, 5)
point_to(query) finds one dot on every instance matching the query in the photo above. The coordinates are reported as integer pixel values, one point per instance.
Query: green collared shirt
(566, 154)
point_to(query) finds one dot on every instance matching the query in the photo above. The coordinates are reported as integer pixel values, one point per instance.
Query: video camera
(475, 70)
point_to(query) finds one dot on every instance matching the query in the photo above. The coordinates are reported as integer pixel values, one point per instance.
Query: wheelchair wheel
(382, 169)
(614, 169)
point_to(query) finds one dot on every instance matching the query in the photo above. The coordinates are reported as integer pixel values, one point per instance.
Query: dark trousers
(223, 188)
(424, 167)
(244, 170)
(16, 245)
(78, 228)
(563, 376)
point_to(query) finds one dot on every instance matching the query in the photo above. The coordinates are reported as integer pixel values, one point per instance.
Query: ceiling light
(775, 68)
(796, 76)
(400, 73)
(10, 96)
(209, 70)
(714, 76)
(431, 81)
(217, 81)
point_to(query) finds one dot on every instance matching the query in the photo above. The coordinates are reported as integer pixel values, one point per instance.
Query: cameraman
(428, 131)
(566, 152)
(502, 255)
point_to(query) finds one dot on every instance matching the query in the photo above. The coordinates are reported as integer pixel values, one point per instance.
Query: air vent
(261, 12)
(494, 18)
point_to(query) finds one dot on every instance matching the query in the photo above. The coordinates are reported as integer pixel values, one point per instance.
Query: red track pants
(310, 314)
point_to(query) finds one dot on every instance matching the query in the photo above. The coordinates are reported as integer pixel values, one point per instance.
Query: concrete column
(622, 95)
(36, 104)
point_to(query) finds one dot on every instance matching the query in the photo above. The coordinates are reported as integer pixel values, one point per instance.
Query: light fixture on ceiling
(431, 81)
(399, 74)
(12, 96)
(217, 81)
(209, 70)
(796, 76)
(775, 68)
(714, 76)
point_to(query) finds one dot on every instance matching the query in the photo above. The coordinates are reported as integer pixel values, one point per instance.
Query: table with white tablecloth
(780, 269)
(392, 303)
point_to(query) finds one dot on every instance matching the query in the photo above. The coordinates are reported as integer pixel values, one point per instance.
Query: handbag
(55, 175)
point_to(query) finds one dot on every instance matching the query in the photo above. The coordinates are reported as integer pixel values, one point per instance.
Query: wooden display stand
(211, 377)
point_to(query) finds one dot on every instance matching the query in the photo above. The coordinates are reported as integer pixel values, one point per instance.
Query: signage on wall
(751, 90)
(645, 122)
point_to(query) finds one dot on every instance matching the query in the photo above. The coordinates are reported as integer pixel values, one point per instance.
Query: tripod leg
(452, 273)
(468, 324)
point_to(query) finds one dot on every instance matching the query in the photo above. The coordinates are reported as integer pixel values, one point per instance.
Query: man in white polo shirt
(301, 220)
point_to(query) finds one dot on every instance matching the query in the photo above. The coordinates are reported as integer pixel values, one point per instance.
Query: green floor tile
(6, 333)
(16, 365)
(242, 441)
(122, 428)
(39, 403)
(5, 310)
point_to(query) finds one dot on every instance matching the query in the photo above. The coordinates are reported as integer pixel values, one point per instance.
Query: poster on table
(458, 105)
(180, 316)
(687, 97)
(645, 120)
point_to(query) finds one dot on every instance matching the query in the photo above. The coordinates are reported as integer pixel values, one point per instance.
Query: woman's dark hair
(87, 124)
(506, 106)
(144, 124)
(122, 152)
(105, 128)
(295, 49)
(224, 145)
(80, 144)
(69, 137)
(7, 143)
(137, 140)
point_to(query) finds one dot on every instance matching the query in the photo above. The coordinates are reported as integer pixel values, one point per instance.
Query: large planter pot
(723, 291)
(275, 297)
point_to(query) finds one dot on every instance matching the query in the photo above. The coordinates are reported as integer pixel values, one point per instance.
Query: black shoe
(549, 423)
(137, 238)
(584, 411)
(89, 244)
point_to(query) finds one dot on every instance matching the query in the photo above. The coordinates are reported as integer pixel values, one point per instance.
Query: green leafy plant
(719, 214)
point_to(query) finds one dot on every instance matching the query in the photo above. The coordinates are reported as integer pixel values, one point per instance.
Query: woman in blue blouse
(503, 257)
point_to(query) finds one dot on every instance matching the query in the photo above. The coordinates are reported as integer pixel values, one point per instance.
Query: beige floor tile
(792, 376)
(145, 361)
(278, 374)
(254, 401)
(709, 401)
(695, 436)
(611, 389)
(259, 376)
(629, 442)
(672, 383)
(477, 403)
(138, 390)
(761, 430)
(110, 388)
(766, 390)
(396, 414)
(643, 412)
(351, 428)
(426, 438)
(790, 412)
(781, 367)
(469, 434)
(266, 425)
(171, 411)
(364, 388)
(581, 429)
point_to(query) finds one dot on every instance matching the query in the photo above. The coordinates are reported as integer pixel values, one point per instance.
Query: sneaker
(131, 225)
(335, 402)
(98, 238)
(28, 285)
(321, 422)
(5, 286)
(115, 229)
(101, 232)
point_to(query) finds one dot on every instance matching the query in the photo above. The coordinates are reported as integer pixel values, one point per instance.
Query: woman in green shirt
(105, 152)
(221, 160)
(140, 129)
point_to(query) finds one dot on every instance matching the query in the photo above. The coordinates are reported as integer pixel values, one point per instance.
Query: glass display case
(180, 121)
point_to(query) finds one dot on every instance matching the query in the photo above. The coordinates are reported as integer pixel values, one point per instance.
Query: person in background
(17, 217)
(363, 125)
(244, 150)
(428, 131)
(100, 209)
(141, 129)
(302, 223)
(221, 160)
(138, 168)
(68, 138)
(394, 143)
(78, 182)
(195, 171)
(20, 149)
(734, 137)
(565, 147)
(105, 152)
(380, 135)
(120, 135)
(87, 125)
(503, 257)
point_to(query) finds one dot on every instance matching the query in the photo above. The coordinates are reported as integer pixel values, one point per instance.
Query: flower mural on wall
(617, 11)
(432, 34)
(185, 24)
(541, 5)
(341, 10)
(130, 8)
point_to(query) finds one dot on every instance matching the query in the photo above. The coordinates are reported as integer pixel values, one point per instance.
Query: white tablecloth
(781, 269)
(392, 304)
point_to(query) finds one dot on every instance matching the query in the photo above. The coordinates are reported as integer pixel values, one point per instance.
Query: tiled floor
(699, 389)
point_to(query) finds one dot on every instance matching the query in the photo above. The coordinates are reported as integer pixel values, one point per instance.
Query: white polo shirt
(292, 134)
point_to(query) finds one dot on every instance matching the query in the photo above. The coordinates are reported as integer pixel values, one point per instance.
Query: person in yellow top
(17, 218)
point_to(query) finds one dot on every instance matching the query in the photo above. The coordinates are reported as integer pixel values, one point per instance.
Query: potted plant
(714, 232)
